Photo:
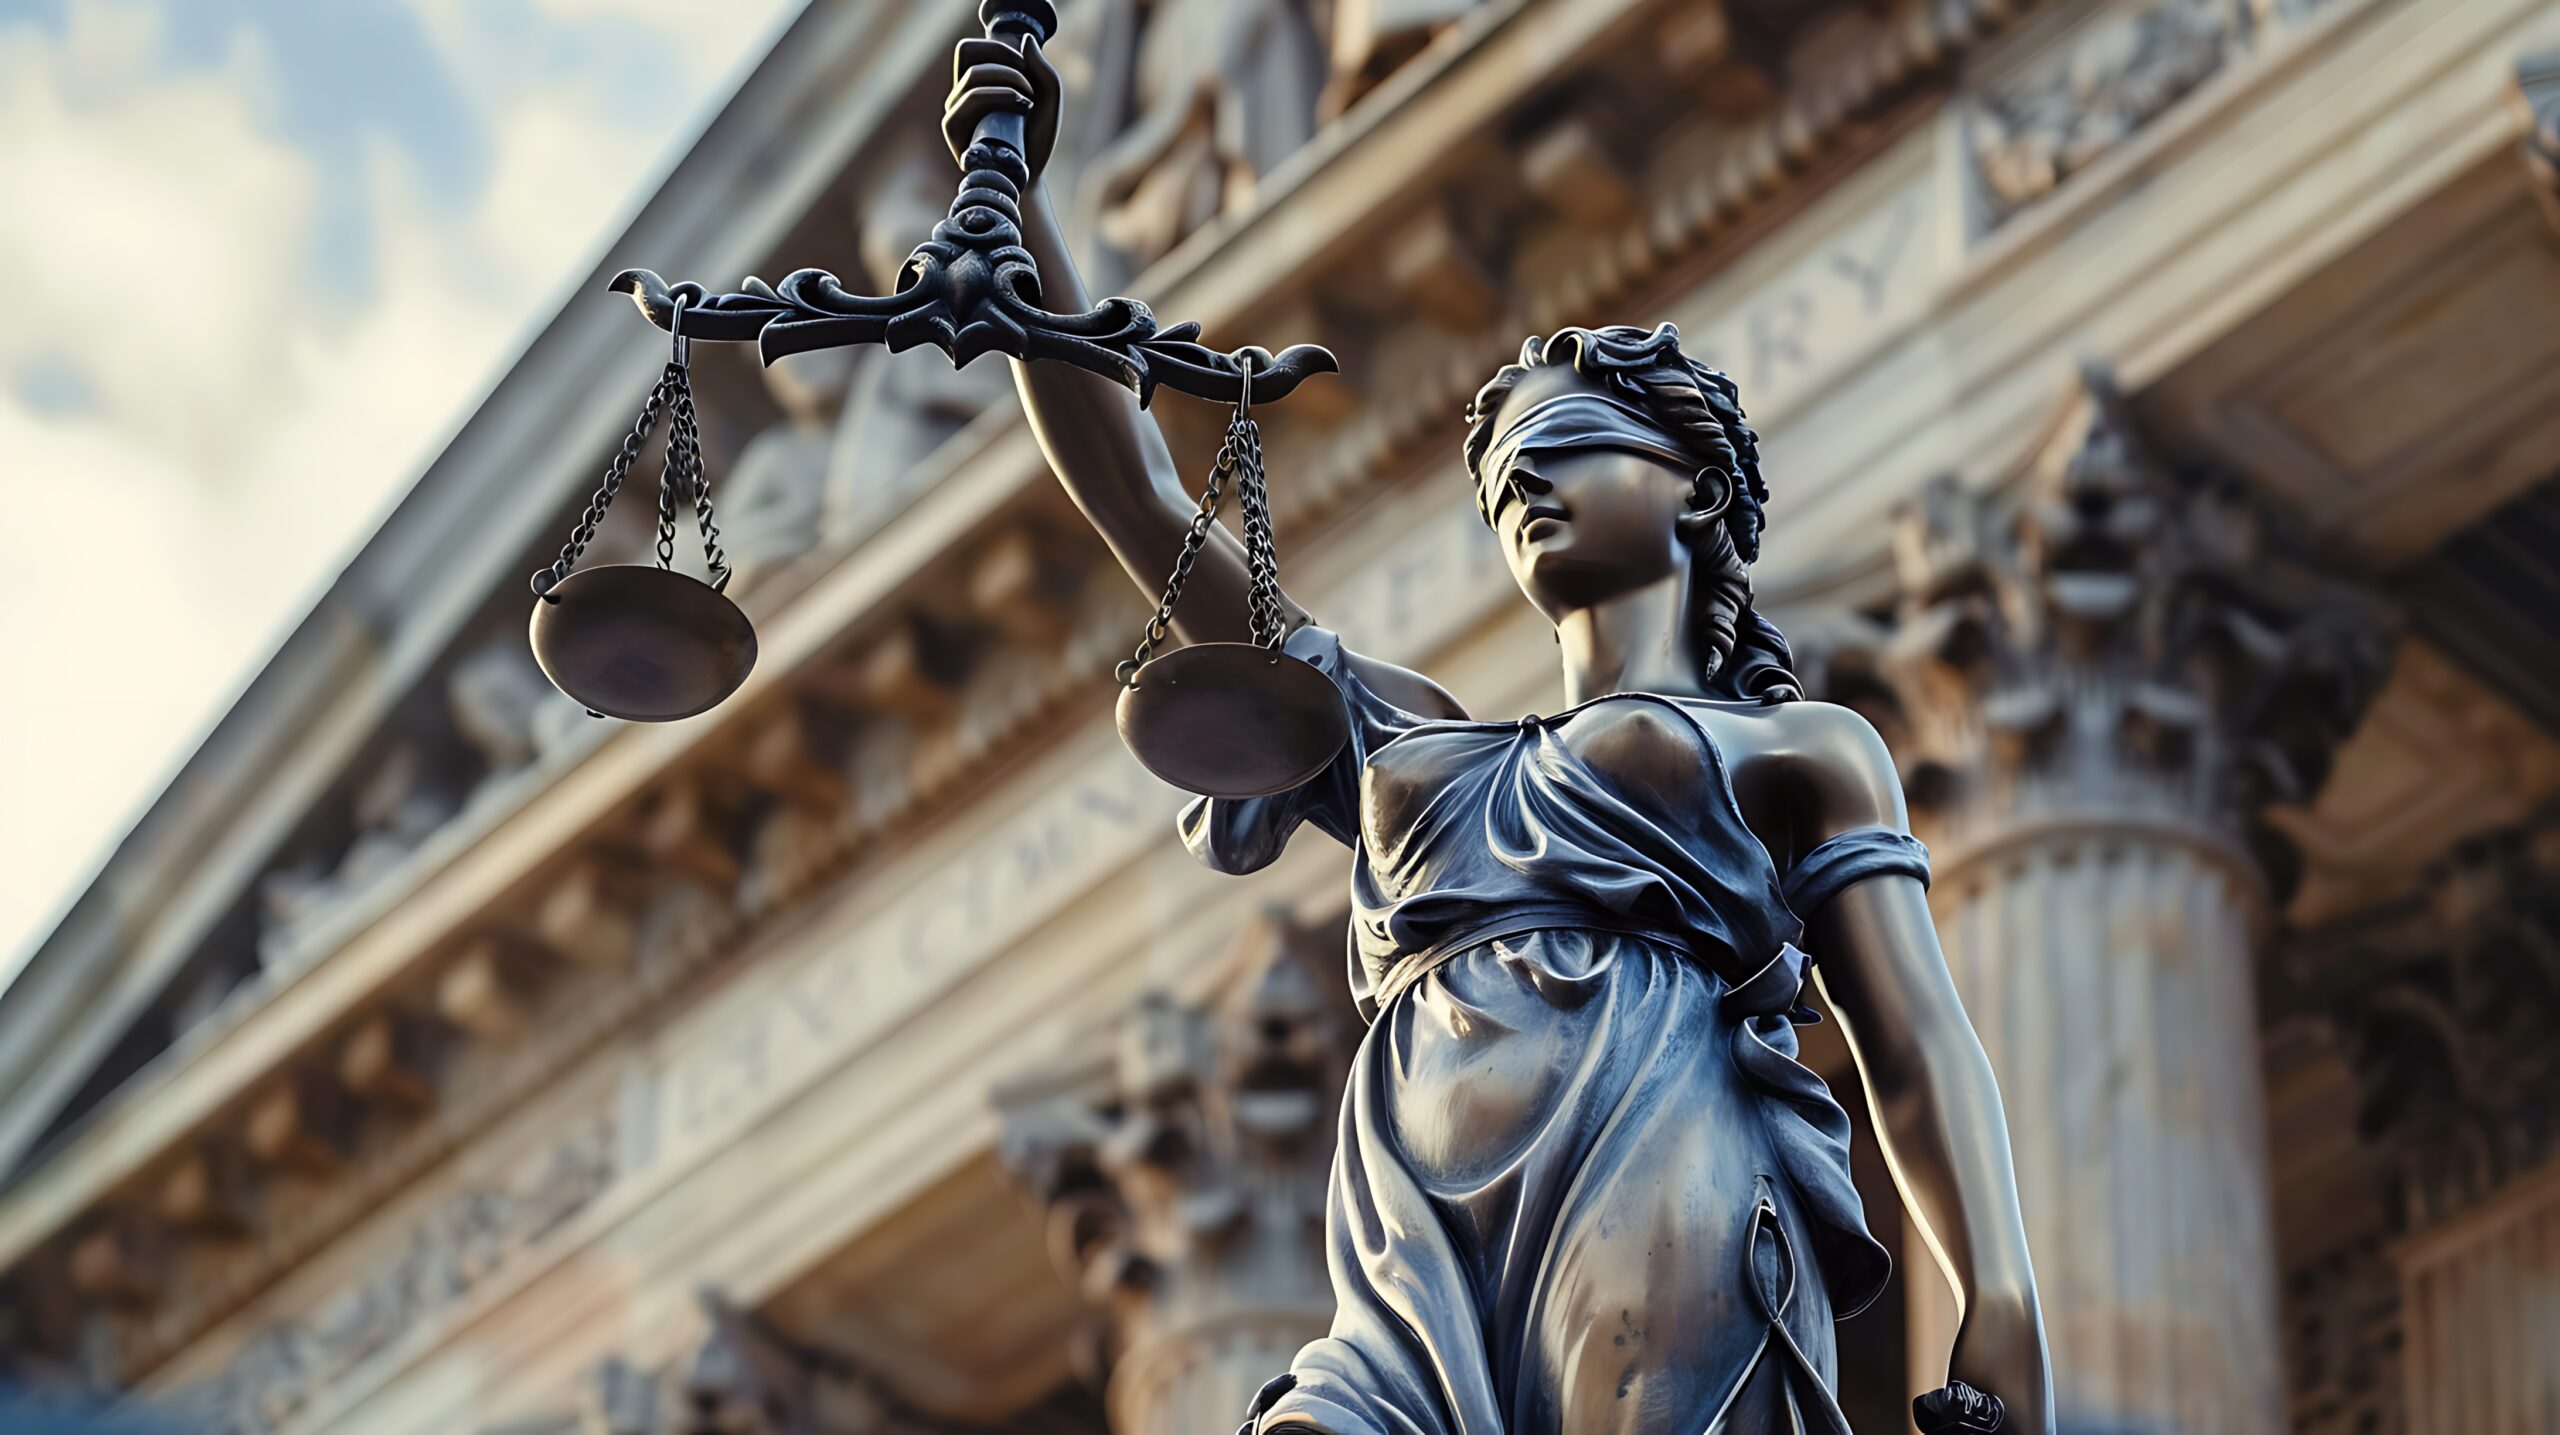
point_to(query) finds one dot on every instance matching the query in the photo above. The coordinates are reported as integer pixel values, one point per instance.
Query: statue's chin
(1560, 580)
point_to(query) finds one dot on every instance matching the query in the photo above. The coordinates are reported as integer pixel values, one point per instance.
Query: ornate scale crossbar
(652, 644)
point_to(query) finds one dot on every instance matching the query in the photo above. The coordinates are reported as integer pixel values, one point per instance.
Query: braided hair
(1746, 657)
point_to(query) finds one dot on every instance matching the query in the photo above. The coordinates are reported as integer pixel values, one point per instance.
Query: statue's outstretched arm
(1107, 452)
(1929, 1085)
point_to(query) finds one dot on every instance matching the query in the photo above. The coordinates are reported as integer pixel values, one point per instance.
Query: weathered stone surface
(1184, 1182)
(2442, 1004)
(288, 1363)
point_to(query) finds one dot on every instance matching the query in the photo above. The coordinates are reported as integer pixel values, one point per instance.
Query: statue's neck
(1636, 641)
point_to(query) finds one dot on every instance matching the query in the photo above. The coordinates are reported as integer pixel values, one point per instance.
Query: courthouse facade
(2161, 404)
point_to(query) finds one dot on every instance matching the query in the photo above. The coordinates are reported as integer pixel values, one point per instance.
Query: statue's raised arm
(1106, 450)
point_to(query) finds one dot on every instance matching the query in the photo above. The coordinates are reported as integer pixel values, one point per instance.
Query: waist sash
(1771, 989)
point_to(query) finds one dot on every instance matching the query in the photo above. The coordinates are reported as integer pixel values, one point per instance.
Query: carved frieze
(1371, 39)
(2106, 82)
(495, 699)
(413, 789)
(467, 1238)
(746, 1377)
(1221, 92)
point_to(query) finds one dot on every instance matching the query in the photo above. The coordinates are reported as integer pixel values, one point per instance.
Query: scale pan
(1232, 719)
(641, 643)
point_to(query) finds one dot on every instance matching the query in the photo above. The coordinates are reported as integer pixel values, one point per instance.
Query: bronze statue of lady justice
(1583, 1185)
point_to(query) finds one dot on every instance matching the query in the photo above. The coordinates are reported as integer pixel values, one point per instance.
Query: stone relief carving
(283, 1368)
(408, 795)
(776, 492)
(1221, 92)
(1371, 39)
(746, 1379)
(494, 698)
(898, 408)
(500, 709)
(2444, 1007)
(2107, 82)
(1184, 1184)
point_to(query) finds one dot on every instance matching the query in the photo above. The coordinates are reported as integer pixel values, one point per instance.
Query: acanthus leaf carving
(1183, 1182)
(2443, 1005)
(2118, 634)
(747, 1377)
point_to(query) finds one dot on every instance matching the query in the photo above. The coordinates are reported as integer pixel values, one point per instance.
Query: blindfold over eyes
(1573, 421)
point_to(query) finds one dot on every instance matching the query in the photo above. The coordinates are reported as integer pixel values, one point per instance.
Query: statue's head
(1606, 460)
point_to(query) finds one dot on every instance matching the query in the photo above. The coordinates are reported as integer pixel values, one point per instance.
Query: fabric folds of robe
(1582, 1182)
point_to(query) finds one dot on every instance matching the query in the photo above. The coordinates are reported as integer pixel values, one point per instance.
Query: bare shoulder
(1404, 687)
(1839, 767)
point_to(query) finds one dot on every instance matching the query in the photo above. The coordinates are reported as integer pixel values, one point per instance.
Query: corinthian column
(2094, 685)
(2442, 1004)
(1183, 1177)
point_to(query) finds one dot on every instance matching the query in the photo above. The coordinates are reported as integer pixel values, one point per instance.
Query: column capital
(1182, 1169)
(2107, 638)
(746, 1377)
(2441, 1005)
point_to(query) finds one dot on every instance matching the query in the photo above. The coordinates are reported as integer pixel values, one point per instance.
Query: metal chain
(682, 480)
(616, 470)
(684, 459)
(1261, 546)
(1202, 519)
(686, 437)
(1240, 458)
(668, 477)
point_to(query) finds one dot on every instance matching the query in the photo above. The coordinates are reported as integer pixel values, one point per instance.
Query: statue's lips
(1542, 527)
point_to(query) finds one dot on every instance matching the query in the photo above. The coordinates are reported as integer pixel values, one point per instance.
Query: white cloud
(238, 432)
(158, 235)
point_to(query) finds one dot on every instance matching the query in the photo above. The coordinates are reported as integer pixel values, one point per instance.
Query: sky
(258, 258)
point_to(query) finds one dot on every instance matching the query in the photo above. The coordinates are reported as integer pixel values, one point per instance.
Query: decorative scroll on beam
(973, 289)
